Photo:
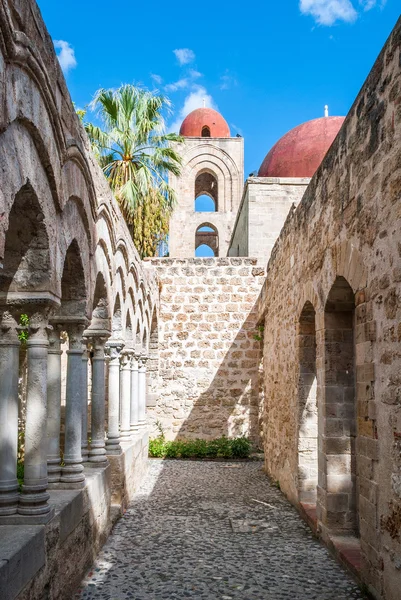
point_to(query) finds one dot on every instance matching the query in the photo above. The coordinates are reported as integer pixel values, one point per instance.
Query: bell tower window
(205, 131)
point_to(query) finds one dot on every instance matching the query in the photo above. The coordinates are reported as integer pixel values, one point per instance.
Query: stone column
(72, 473)
(142, 389)
(114, 348)
(125, 395)
(97, 452)
(134, 393)
(54, 405)
(9, 364)
(34, 495)
(84, 384)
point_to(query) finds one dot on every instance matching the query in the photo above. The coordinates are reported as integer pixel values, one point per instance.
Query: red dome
(214, 124)
(300, 151)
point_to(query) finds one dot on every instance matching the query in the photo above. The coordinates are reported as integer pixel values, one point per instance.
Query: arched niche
(339, 470)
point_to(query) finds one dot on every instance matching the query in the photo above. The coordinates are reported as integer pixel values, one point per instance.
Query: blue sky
(266, 66)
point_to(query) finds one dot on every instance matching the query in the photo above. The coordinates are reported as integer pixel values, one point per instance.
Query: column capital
(97, 339)
(9, 330)
(39, 328)
(113, 349)
(125, 357)
(55, 339)
(75, 327)
(142, 360)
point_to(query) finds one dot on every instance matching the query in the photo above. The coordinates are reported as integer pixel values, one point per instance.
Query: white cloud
(184, 55)
(156, 78)
(369, 4)
(181, 84)
(197, 98)
(227, 81)
(184, 82)
(327, 12)
(194, 74)
(66, 56)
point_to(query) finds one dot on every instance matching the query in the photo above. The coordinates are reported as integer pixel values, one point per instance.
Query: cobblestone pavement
(215, 531)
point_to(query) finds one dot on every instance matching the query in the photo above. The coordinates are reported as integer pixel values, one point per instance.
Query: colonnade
(46, 466)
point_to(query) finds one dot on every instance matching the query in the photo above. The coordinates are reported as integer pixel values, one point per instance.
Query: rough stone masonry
(209, 357)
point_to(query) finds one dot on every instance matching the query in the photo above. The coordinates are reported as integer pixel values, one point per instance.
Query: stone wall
(265, 204)
(332, 310)
(208, 357)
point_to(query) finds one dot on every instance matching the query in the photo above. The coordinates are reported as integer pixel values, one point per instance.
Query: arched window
(206, 241)
(205, 131)
(206, 192)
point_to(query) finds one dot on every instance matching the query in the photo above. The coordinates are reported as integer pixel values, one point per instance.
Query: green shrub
(219, 448)
(241, 447)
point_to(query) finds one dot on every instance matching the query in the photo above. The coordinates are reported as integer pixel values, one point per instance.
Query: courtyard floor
(215, 531)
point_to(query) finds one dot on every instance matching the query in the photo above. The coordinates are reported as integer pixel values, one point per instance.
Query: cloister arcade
(73, 294)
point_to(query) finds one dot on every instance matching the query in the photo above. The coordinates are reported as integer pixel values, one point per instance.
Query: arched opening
(145, 341)
(128, 329)
(152, 372)
(73, 289)
(138, 345)
(206, 192)
(205, 131)
(338, 478)
(117, 319)
(206, 241)
(307, 398)
(26, 269)
(26, 265)
(101, 309)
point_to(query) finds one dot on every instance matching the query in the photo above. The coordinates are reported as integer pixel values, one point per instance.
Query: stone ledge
(22, 554)
(55, 556)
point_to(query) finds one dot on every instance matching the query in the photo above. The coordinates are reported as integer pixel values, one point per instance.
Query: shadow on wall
(209, 350)
(230, 404)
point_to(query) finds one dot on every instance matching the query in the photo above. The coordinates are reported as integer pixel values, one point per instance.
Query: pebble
(194, 530)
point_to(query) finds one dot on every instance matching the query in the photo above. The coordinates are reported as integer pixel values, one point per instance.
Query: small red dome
(205, 120)
(300, 151)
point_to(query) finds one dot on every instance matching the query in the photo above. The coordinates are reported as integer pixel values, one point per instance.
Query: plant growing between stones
(259, 335)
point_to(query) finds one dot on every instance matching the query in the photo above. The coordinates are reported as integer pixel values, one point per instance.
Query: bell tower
(209, 188)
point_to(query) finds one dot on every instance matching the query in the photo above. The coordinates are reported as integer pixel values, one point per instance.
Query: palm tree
(136, 156)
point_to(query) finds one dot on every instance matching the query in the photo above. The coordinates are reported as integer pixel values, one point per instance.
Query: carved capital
(113, 349)
(55, 339)
(8, 329)
(142, 360)
(97, 343)
(75, 333)
(39, 327)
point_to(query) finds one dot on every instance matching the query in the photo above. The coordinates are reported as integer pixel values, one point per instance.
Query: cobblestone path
(215, 531)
